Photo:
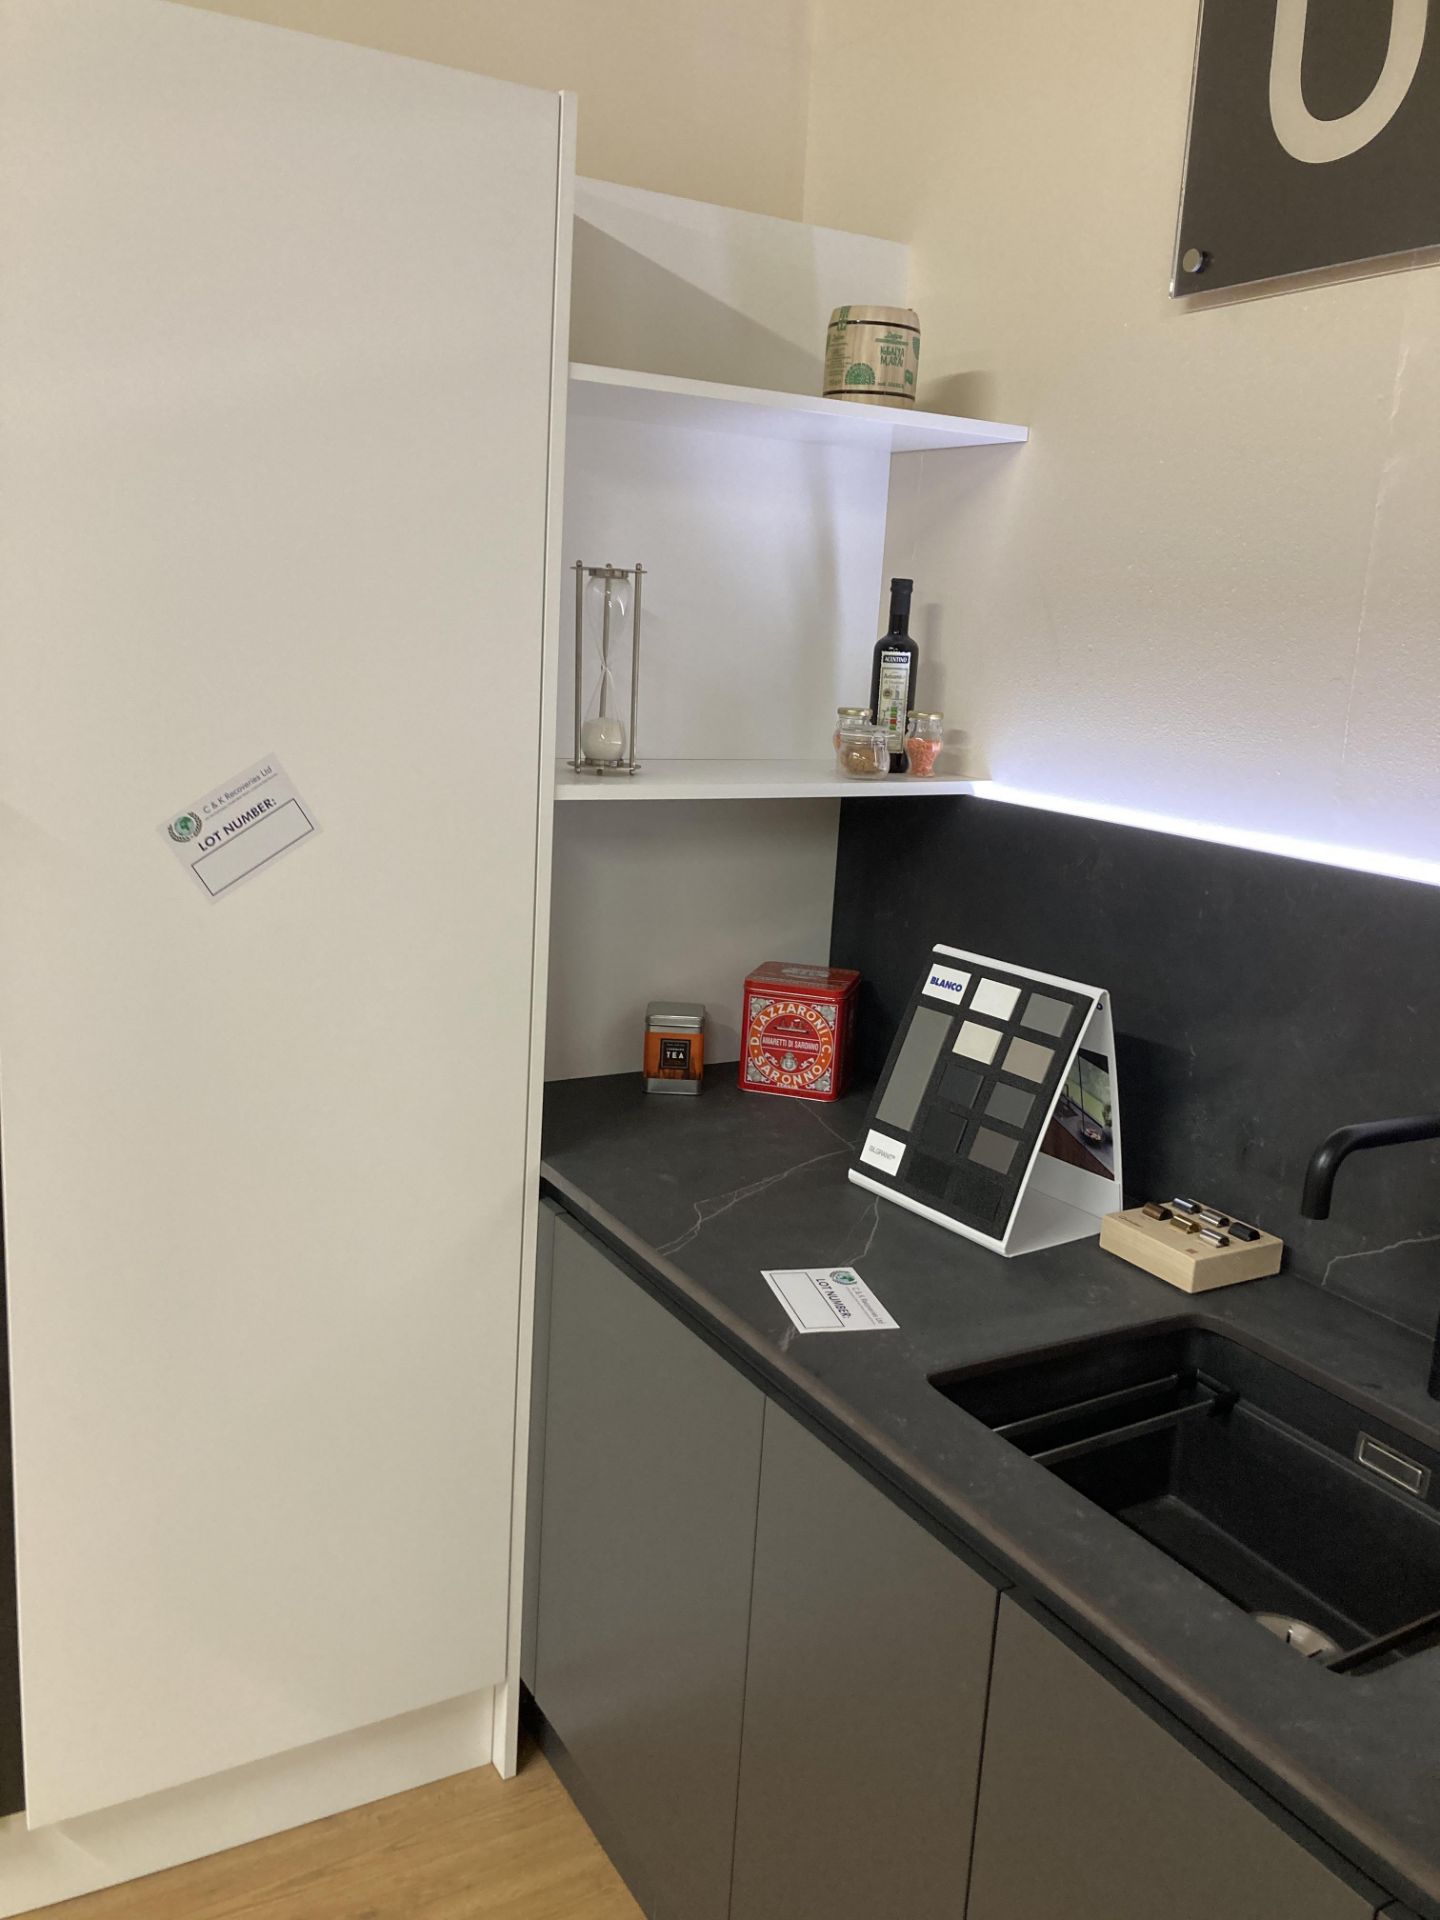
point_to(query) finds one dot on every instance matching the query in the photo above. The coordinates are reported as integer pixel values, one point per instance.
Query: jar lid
(853, 713)
(876, 316)
(916, 714)
(683, 1016)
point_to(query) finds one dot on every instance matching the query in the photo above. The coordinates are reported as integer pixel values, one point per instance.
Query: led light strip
(1392, 866)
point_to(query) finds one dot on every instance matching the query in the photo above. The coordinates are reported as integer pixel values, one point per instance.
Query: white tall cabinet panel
(276, 378)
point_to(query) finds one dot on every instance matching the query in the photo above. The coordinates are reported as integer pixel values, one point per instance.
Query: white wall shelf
(612, 393)
(744, 780)
(759, 511)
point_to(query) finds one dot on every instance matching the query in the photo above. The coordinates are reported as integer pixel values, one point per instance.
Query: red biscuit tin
(796, 1030)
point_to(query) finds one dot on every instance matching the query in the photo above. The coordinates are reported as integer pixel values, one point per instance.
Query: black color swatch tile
(959, 1084)
(926, 1175)
(975, 1191)
(940, 1132)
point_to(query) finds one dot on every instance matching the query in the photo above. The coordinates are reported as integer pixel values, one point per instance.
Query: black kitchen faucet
(1325, 1164)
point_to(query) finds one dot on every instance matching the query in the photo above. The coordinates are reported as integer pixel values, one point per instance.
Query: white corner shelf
(657, 399)
(744, 780)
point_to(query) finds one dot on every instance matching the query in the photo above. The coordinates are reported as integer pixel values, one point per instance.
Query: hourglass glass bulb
(619, 591)
(602, 732)
(602, 738)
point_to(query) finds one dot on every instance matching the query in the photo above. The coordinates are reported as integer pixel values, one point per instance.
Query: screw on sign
(796, 1026)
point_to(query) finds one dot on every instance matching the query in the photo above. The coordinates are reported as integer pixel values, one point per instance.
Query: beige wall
(1211, 583)
(699, 97)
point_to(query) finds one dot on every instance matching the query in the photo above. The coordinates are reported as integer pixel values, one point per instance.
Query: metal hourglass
(607, 602)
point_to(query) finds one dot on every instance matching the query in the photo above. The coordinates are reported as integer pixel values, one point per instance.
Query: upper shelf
(612, 393)
(744, 780)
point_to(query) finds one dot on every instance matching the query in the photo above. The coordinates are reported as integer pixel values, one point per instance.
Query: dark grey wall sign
(1314, 138)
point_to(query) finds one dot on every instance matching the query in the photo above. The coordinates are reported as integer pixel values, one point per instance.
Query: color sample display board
(980, 1081)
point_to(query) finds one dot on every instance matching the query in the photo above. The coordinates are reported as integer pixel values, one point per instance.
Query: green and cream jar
(872, 354)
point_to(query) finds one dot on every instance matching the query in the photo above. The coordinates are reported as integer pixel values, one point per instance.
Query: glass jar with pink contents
(924, 737)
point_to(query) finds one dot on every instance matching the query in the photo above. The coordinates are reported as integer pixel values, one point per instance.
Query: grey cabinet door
(647, 1528)
(864, 1703)
(1089, 1810)
(535, 1474)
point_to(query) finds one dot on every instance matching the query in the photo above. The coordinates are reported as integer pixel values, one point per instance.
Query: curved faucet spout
(1325, 1163)
(1326, 1159)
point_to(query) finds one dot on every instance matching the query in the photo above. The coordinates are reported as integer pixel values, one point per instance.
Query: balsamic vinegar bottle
(893, 676)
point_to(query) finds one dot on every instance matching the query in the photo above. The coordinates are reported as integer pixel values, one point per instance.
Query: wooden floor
(472, 1845)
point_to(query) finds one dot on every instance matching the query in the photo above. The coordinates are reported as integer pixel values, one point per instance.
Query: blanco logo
(879, 1151)
(1315, 141)
(944, 985)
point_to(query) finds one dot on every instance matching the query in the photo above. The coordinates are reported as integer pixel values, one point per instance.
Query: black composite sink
(1243, 1472)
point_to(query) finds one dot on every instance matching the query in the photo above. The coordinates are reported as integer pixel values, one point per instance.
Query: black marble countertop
(703, 1195)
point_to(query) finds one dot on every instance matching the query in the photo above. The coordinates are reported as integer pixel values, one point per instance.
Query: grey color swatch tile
(929, 1031)
(1045, 1015)
(993, 1149)
(1028, 1059)
(1009, 1105)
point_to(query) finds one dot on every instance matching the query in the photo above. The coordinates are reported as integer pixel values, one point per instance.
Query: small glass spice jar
(861, 749)
(924, 737)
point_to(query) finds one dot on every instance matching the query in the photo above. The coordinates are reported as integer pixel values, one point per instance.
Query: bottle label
(893, 701)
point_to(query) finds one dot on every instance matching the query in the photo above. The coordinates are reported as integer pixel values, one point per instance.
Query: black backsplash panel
(1258, 1003)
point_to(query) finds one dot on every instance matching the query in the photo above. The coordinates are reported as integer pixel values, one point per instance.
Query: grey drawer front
(651, 1477)
(865, 1702)
(1090, 1810)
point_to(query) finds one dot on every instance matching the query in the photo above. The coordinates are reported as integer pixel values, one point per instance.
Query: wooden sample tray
(1184, 1260)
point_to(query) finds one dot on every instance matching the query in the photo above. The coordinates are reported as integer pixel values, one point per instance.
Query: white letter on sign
(1315, 141)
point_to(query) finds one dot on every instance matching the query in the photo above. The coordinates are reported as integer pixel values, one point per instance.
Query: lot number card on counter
(997, 1114)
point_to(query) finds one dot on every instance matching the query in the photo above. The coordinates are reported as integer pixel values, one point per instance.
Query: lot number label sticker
(828, 1300)
(239, 828)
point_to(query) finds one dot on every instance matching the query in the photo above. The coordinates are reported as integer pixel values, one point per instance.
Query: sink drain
(1307, 1640)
